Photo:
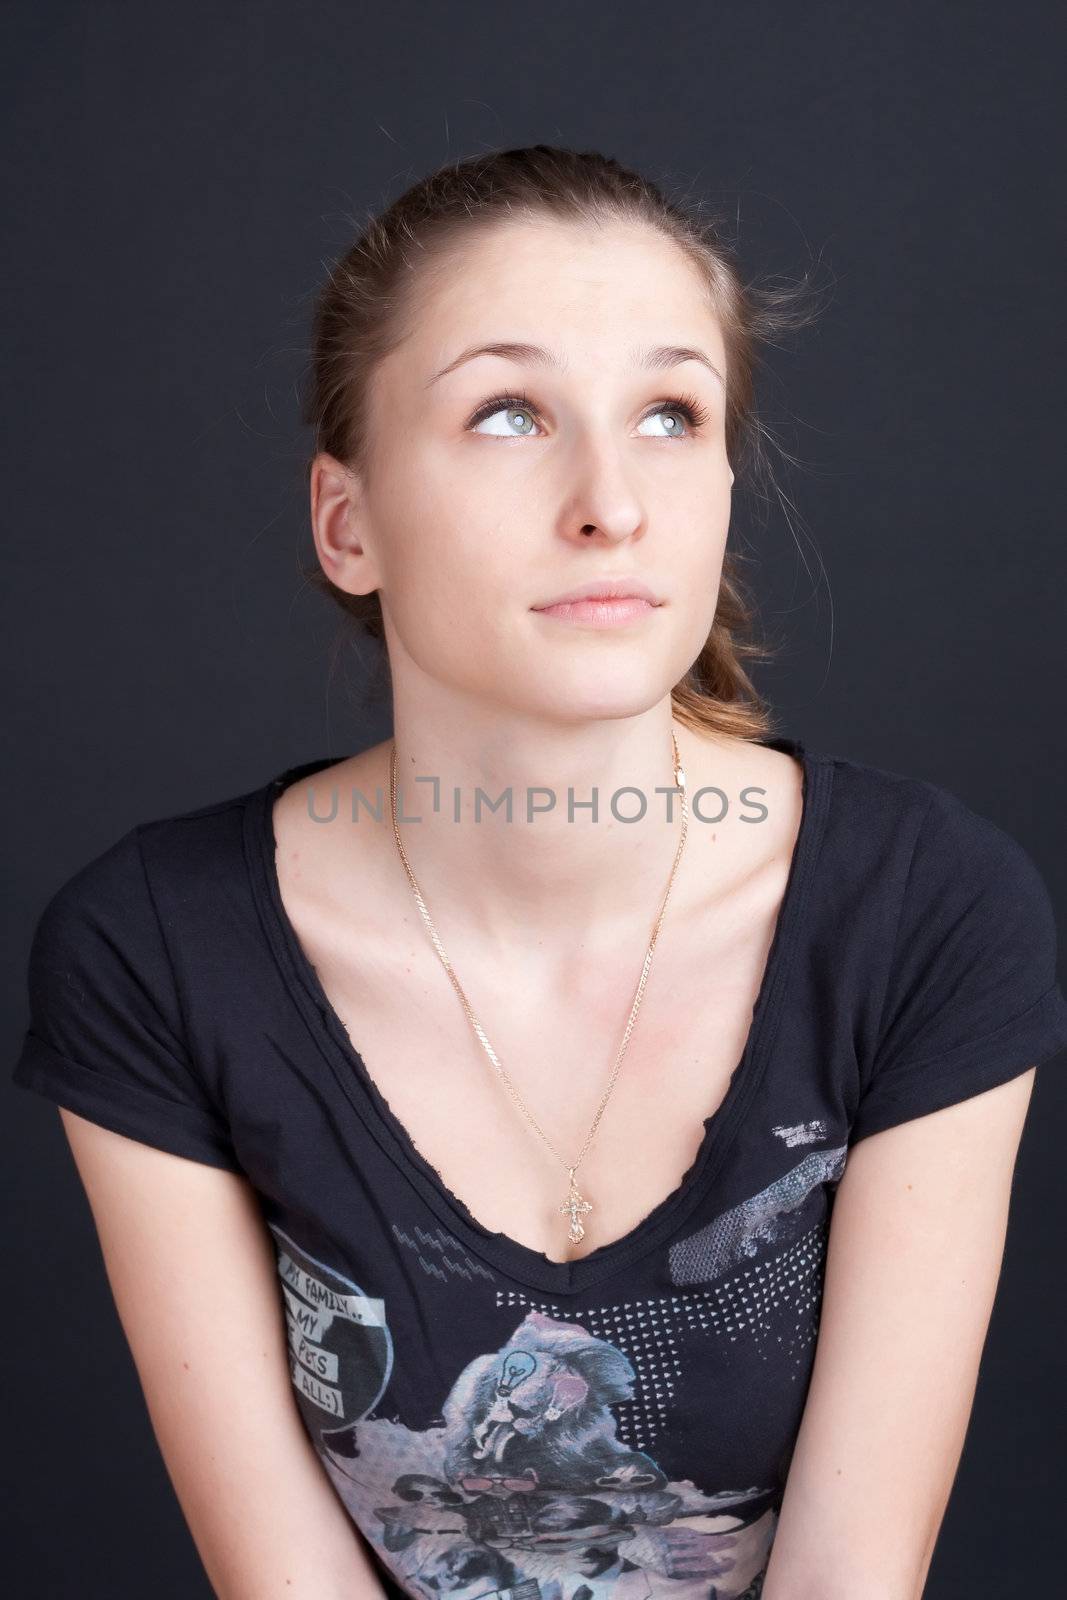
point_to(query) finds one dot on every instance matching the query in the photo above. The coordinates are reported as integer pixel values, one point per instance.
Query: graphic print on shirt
(525, 1490)
(532, 1485)
(801, 1132)
(340, 1349)
(773, 1215)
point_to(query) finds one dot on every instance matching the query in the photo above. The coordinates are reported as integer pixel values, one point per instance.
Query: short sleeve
(972, 997)
(105, 1037)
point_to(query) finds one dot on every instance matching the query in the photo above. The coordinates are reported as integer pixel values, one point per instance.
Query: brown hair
(366, 306)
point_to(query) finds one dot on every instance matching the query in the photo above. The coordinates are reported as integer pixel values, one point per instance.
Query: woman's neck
(546, 866)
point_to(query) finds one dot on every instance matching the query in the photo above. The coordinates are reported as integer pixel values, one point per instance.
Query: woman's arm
(192, 1271)
(914, 1257)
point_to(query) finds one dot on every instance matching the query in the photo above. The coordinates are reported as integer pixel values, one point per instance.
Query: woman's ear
(339, 526)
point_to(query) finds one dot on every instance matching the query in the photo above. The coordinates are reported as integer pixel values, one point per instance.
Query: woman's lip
(600, 612)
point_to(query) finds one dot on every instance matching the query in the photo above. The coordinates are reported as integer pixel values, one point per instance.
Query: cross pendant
(574, 1206)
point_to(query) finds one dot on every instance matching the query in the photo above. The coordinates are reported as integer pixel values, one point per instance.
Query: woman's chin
(583, 701)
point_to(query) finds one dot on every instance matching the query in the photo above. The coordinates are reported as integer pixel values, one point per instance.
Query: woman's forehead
(599, 319)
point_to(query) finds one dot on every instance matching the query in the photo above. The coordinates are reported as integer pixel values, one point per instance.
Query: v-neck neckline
(518, 1262)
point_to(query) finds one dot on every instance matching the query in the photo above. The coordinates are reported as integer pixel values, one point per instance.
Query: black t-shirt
(495, 1421)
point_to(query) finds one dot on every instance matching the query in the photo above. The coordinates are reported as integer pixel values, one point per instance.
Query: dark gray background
(175, 177)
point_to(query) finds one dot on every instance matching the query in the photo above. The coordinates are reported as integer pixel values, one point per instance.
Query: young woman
(463, 1118)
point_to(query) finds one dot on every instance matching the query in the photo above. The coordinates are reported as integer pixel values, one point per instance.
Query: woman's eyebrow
(658, 358)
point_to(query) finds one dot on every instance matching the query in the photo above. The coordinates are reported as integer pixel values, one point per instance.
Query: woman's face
(508, 480)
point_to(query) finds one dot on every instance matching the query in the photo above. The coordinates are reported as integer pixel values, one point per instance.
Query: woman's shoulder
(165, 853)
(883, 791)
(940, 856)
(116, 978)
(873, 794)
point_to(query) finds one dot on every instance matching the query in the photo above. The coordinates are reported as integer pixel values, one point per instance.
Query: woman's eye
(514, 412)
(692, 413)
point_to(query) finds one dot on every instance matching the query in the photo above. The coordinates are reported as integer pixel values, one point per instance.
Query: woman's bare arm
(916, 1247)
(192, 1271)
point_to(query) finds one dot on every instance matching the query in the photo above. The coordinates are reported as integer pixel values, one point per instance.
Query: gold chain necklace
(575, 1205)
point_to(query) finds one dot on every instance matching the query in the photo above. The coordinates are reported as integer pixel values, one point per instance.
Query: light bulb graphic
(518, 1364)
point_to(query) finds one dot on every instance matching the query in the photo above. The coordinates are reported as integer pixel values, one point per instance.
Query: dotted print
(772, 1216)
(774, 1303)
